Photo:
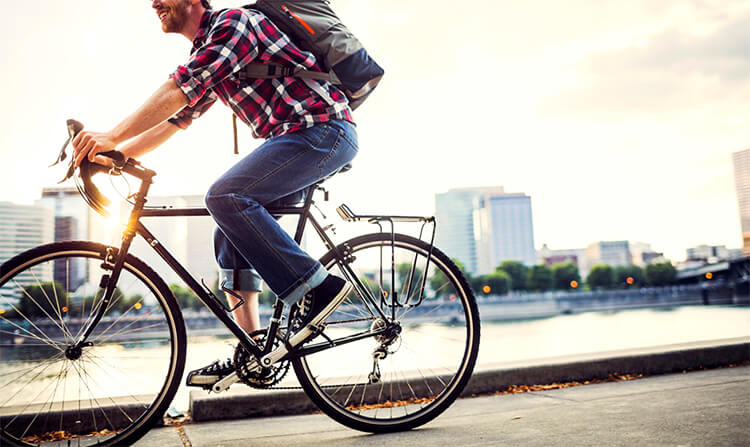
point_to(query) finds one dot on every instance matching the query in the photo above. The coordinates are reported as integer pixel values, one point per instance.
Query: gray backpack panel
(314, 27)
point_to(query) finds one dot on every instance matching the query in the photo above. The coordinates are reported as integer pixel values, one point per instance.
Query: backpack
(313, 26)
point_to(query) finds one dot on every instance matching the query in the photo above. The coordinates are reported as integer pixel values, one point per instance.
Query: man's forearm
(149, 140)
(164, 103)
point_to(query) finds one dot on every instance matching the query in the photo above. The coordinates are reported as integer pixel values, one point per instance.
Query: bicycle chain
(274, 387)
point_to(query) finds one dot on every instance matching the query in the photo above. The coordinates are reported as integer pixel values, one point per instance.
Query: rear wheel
(108, 393)
(411, 372)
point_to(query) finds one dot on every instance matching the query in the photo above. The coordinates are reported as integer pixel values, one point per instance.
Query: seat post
(305, 212)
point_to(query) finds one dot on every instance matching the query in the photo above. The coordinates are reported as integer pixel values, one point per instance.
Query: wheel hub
(390, 331)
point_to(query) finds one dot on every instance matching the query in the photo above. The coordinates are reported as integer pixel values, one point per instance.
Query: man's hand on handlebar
(88, 144)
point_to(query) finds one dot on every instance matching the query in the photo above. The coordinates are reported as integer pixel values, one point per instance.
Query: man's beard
(176, 18)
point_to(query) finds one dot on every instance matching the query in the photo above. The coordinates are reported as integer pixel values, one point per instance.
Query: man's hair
(206, 4)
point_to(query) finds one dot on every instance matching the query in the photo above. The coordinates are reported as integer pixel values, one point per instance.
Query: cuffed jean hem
(307, 285)
(241, 279)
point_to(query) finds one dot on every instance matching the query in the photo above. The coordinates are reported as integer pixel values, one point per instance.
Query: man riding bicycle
(309, 134)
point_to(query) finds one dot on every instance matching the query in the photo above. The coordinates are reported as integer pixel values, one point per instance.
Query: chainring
(265, 377)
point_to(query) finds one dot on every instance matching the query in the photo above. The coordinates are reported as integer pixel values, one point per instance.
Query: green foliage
(460, 266)
(499, 282)
(185, 297)
(540, 278)
(601, 276)
(267, 297)
(403, 272)
(38, 301)
(119, 302)
(661, 274)
(622, 274)
(517, 272)
(440, 284)
(496, 283)
(562, 275)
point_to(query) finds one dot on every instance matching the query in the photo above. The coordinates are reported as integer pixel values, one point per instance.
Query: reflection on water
(502, 342)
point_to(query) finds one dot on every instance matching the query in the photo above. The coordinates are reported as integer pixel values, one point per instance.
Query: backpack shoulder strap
(259, 70)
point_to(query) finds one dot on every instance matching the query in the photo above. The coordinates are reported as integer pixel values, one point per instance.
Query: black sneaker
(208, 375)
(318, 305)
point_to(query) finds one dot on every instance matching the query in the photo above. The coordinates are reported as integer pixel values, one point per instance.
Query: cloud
(675, 69)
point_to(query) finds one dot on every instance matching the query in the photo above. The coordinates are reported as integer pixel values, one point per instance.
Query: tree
(43, 301)
(517, 272)
(661, 274)
(496, 283)
(185, 297)
(540, 278)
(629, 276)
(563, 274)
(403, 272)
(601, 276)
(440, 284)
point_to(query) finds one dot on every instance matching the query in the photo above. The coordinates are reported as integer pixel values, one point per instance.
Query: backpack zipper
(299, 19)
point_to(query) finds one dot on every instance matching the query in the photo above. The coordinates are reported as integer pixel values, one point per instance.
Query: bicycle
(393, 356)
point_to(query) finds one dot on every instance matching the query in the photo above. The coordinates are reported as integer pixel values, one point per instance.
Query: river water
(527, 340)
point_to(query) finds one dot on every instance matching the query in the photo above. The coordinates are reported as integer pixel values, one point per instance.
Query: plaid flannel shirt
(229, 39)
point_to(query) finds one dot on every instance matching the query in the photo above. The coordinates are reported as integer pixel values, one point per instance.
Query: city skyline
(623, 119)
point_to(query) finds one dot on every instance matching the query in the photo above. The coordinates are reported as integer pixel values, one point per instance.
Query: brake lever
(62, 155)
(73, 128)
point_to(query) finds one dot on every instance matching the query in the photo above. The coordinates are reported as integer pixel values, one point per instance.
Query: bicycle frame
(115, 262)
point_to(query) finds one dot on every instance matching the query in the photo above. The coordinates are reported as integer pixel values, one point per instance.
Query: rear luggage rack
(348, 215)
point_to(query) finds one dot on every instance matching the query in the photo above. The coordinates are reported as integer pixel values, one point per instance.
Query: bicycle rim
(425, 366)
(111, 392)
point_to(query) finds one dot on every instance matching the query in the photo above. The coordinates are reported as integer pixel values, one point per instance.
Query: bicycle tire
(330, 398)
(153, 321)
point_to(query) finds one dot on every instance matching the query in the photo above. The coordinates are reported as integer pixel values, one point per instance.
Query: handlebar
(117, 157)
(87, 170)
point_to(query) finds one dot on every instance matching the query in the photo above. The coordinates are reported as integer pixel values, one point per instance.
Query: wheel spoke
(102, 392)
(420, 359)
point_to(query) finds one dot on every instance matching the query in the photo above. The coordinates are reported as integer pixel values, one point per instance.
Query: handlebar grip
(117, 157)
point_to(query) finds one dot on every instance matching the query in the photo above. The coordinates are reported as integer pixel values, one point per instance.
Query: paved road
(704, 408)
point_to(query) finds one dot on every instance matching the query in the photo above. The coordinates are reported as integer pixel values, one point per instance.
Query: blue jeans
(276, 173)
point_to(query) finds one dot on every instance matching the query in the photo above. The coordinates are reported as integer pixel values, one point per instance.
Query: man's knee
(221, 199)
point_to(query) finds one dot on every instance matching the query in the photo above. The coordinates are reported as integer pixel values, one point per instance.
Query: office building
(23, 227)
(708, 253)
(69, 274)
(454, 213)
(67, 202)
(642, 254)
(188, 238)
(612, 253)
(503, 230)
(741, 162)
(481, 227)
(550, 257)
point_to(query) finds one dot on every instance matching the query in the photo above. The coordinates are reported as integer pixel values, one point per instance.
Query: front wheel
(409, 374)
(107, 393)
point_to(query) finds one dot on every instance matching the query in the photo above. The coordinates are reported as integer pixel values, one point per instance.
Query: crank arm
(225, 383)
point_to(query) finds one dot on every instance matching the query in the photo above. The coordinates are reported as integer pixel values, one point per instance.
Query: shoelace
(305, 305)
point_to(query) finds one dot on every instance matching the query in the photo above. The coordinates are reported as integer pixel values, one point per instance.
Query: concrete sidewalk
(703, 408)
(242, 402)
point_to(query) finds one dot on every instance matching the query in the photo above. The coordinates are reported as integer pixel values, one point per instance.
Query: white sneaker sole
(202, 380)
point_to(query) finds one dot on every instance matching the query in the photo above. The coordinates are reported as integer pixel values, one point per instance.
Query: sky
(617, 117)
